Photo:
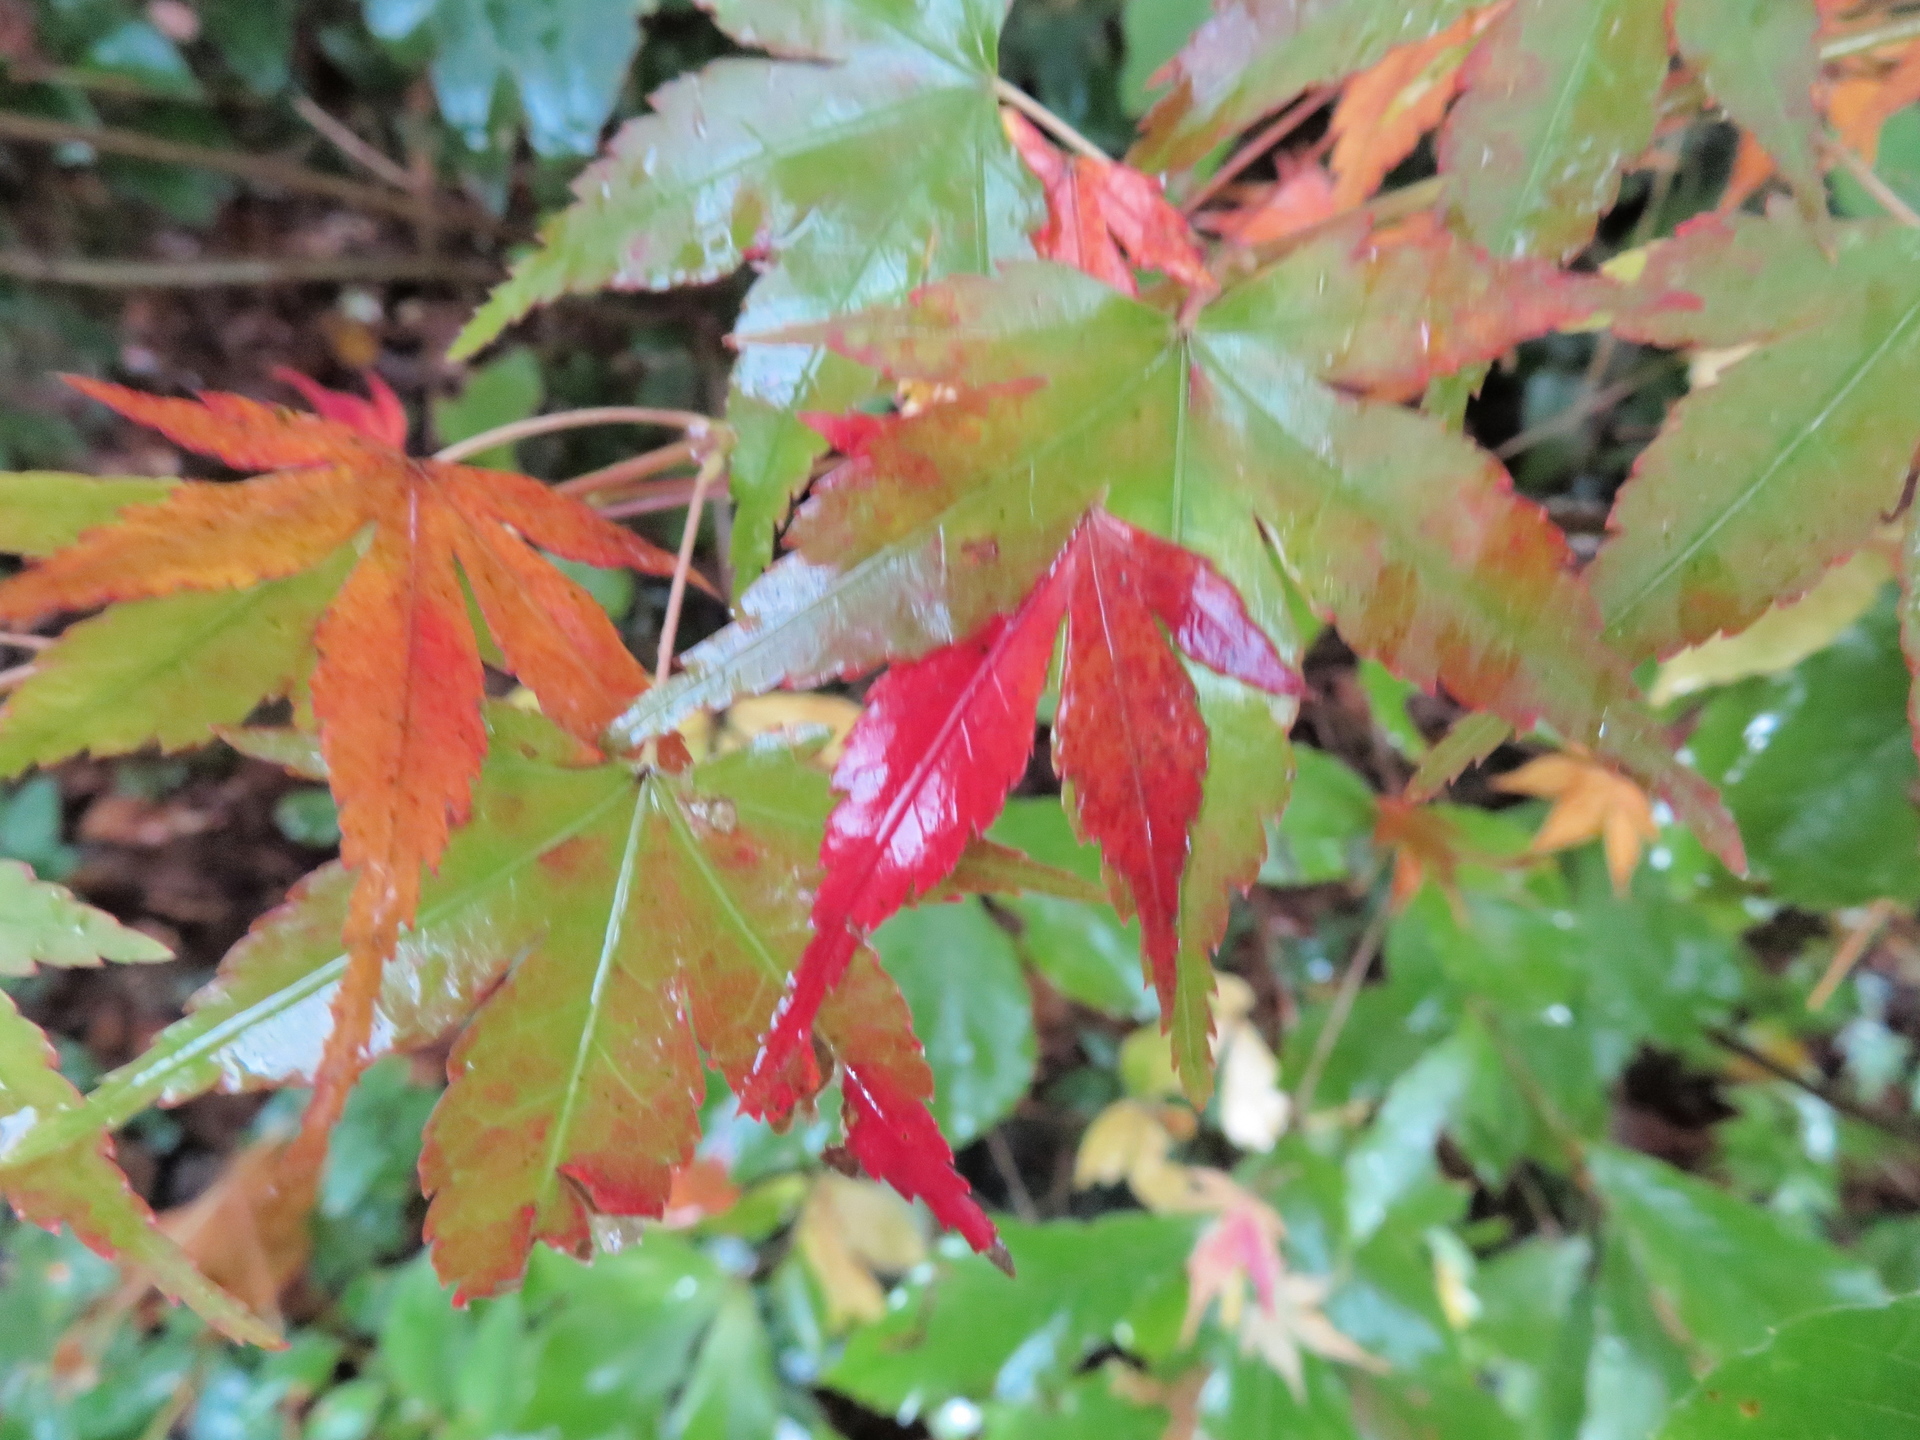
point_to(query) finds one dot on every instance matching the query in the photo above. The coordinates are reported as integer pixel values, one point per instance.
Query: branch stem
(239, 273)
(342, 137)
(1011, 94)
(1343, 1001)
(1907, 27)
(1884, 196)
(651, 500)
(1902, 1126)
(697, 426)
(711, 465)
(1289, 120)
(263, 170)
(623, 472)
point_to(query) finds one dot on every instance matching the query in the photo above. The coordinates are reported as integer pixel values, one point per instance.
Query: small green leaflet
(43, 924)
(1787, 464)
(83, 1188)
(1534, 151)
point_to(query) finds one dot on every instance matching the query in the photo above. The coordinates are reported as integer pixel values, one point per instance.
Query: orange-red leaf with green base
(398, 686)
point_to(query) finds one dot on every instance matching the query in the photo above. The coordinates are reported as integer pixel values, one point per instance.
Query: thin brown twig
(239, 273)
(1870, 181)
(17, 641)
(1017, 1193)
(1848, 953)
(1591, 403)
(1343, 1001)
(622, 472)
(1859, 42)
(342, 137)
(1013, 95)
(263, 170)
(696, 425)
(1904, 1127)
(1289, 120)
(661, 495)
(711, 465)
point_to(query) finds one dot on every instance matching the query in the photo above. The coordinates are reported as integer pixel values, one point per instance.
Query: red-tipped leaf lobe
(886, 1084)
(382, 418)
(942, 740)
(926, 768)
(1128, 739)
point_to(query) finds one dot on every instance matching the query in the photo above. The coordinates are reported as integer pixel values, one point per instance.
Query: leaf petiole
(1011, 94)
(698, 427)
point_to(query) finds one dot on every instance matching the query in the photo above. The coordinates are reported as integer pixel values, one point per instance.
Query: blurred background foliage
(1542, 1151)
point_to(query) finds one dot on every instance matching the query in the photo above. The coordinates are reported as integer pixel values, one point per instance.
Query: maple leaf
(869, 159)
(1106, 219)
(1384, 111)
(1759, 483)
(671, 915)
(1558, 98)
(1252, 56)
(942, 741)
(1394, 308)
(165, 672)
(1425, 844)
(1065, 392)
(398, 684)
(1591, 801)
(1761, 62)
(1240, 1253)
(82, 1188)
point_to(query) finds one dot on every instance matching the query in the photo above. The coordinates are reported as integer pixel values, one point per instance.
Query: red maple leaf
(942, 740)
(1106, 218)
(398, 684)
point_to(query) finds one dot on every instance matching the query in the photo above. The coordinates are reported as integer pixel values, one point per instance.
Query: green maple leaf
(82, 1187)
(861, 177)
(1070, 394)
(1564, 98)
(42, 924)
(1786, 464)
(263, 1020)
(1761, 61)
(674, 917)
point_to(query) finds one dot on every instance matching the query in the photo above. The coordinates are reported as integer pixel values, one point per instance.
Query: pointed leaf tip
(382, 419)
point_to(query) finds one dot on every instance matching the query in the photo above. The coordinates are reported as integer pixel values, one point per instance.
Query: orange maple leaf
(1107, 218)
(1385, 110)
(398, 683)
(1424, 843)
(1590, 801)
